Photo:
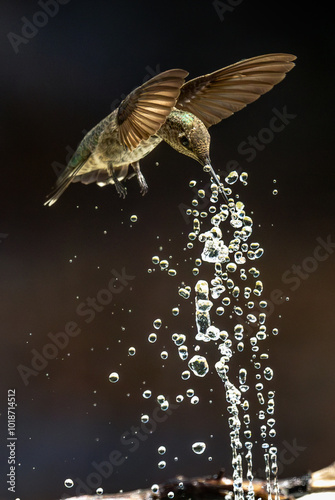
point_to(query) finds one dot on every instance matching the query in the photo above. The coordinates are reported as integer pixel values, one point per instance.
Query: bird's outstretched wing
(217, 95)
(142, 113)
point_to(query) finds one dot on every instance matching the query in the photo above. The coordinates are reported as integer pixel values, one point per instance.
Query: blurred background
(62, 72)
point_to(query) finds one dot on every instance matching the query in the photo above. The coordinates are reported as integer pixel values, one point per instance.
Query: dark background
(63, 81)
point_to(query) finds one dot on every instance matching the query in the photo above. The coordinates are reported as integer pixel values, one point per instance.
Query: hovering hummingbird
(166, 108)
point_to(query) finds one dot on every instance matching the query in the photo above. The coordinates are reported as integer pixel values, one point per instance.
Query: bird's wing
(142, 113)
(217, 95)
(66, 177)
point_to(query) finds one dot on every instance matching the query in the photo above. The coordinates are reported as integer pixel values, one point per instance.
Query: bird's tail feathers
(62, 183)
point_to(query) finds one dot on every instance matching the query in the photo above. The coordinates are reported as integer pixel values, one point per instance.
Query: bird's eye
(184, 141)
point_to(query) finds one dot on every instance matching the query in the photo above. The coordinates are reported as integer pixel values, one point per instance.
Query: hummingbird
(166, 108)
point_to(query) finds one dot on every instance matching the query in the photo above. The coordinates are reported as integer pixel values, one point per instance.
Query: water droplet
(131, 351)
(225, 301)
(219, 311)
(258, 288)
(147, 394)
(261, 335)
(185, 375)
(271, 422)
(231, 177)
(155, 259)
(164, 354)
(240, 346)
(68, 483)
(231, 267)
(155, 488)
(161, 464)
(275, 192)
(244, 178)
(242, 376)
(113, 377)
(172, 272)
(145, 419)
(260, 398)
(99, 491)
(199, 447)
(268, 373)
(175, 311)
(194, 400)
(184, 292)
(152, 338)
(198, 365)
(161, 450)
(157, 323)
(164, 264)
(183, 352)
(133, 218)
(178, 338)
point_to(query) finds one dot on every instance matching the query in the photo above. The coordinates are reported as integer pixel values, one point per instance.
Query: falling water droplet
(68, 483)
(198, 365)
(199, 447)
(113, 377)
(268, 373)
(157, 323)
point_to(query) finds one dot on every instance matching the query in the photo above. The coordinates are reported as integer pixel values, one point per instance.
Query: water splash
(230, 317)
(239, 289)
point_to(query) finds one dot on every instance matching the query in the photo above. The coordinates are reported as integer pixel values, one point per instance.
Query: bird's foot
(120, 188)
(140, 178)
(142, 182)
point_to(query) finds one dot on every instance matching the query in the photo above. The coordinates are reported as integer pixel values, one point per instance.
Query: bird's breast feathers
(110, 150)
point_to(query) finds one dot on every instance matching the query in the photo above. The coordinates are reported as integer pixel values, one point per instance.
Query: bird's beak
(208, 168)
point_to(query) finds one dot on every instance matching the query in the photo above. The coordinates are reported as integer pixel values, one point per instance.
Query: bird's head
(187, 135)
